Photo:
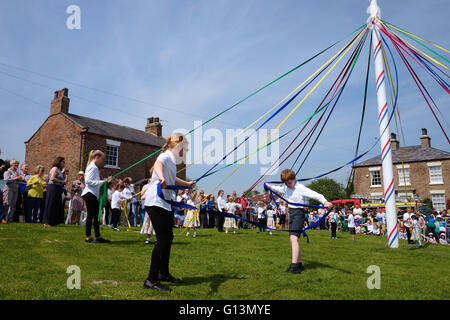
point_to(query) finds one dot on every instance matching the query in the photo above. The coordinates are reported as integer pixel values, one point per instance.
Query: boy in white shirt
(294, 192)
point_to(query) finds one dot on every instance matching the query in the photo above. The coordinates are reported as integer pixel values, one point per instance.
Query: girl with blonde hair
(163, 173)
(91, 194)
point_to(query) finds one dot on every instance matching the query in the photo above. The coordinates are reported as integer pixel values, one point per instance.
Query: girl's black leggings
(92, 214)
(162, 221)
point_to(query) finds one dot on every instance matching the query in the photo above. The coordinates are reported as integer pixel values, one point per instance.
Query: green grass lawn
(248, 265)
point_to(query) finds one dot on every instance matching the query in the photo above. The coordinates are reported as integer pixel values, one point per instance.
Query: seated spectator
(430, 238)
(442, 239)
(376, 229)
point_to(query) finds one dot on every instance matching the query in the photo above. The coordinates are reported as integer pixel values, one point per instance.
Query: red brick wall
(58, 136)
(129, 153)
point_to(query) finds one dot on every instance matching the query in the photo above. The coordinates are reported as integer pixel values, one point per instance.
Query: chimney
(154, 126)
(394, 142)
(425, 140)
(60, 102)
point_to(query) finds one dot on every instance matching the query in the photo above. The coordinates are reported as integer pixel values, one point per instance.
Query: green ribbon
(104, 193)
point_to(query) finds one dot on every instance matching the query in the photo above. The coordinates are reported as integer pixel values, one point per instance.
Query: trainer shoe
(195, 234)
(116, 229)
(156, 286)
(147, 241)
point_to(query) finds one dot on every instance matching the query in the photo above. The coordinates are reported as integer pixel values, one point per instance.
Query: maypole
(386, 154)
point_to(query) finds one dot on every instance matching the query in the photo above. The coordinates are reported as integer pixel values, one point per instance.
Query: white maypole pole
(383, 118)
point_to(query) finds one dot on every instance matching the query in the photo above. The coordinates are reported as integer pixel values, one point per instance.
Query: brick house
(425, 174)
(73, 136)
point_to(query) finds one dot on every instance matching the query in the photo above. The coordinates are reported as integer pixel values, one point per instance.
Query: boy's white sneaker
(195, 234)
(187, 234)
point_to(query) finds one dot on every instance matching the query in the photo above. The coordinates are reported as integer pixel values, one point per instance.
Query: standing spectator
(221, 206)
(407, 224)
(351, 225)
(417, 235)
(127, 193)
(333, 222)
(210, 209)
(42, 208)
(54, 210)
(108, 208)
(270, 218)
(282, 211)
(244, 212)
(21, 204)
(262, 214)
(77, 200)
(116, 199)
(35, 186)
(91, 193)
(3, 168)
(202, 200)
(11, 189)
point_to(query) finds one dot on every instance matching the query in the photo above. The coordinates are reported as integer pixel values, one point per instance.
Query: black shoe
(101, 240)
(169, 278)
(295, 268)
(90, 240)
(156, 286)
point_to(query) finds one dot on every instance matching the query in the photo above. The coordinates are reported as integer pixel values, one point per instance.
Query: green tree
(330, 189)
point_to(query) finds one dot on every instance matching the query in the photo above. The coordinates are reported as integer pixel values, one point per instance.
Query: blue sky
(199, 57)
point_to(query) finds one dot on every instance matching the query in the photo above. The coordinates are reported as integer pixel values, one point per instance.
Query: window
(403, 176)
(435, 174)
(438, 200)
(375, 178)
(112, 156)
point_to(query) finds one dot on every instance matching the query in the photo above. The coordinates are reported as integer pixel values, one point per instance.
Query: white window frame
(113, 144)
(373, 169)
(401, 179)
(435, 164)
(438, 192)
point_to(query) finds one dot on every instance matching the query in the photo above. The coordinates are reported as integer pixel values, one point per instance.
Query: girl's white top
(297, 194)
(116, 198)
(261, 212)
(169, 169)
(232, 206)
(92, 180)
(127, 192)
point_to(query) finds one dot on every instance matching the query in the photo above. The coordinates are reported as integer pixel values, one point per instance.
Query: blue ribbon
(230, 215)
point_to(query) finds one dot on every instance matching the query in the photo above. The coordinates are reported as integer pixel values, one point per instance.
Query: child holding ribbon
(164, 173)
(294, 194)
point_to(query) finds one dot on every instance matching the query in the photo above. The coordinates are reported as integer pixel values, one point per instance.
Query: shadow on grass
(318, 265)
(215, 281)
